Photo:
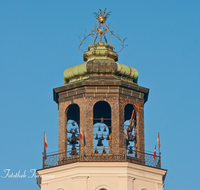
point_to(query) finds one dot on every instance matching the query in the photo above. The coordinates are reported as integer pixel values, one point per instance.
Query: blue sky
(38, 41)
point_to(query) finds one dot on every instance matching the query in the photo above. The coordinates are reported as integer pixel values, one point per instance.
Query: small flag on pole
(45, 146)
(45, 140)
(154, 155)
(81, 136)
(158, 140)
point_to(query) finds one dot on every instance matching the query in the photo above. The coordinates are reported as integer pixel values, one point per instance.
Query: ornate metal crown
(101, 30)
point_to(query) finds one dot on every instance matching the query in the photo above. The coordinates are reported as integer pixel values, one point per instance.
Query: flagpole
(154, 155)
(44, 144)
(44, 152)
(159, 163)
(159, 144)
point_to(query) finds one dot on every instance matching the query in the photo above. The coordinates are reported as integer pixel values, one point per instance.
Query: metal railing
(103, 155)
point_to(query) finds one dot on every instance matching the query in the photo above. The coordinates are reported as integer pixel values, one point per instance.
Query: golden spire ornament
(101, 30)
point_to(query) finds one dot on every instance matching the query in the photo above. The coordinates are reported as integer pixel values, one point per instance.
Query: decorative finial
(100, 31)
(101, 16)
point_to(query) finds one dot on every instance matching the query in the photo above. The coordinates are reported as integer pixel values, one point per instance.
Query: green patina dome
(100, 60)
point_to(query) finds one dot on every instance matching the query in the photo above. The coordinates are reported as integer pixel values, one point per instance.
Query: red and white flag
(154, 155)
(158, 140)
(81, 136)
(45, 141)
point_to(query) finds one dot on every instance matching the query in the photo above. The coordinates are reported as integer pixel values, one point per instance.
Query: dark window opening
(102, 128)
(130, 128)
(73, 130)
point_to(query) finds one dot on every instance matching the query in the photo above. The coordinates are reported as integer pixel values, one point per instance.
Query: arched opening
(73, 130)
(103, 187)
(73, 113)
(130, 129)
(101, 128)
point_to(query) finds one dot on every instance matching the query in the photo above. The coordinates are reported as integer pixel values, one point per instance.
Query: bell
(73, 148)
(100, 142)
(73, 138)
(132, 138)
(99, 129)
(73, 123)
(95, 152)
(130, 151)
(107, 137)
(104, 130)
(71, 131)
(96, 138)
(102, 138)
(104, 151)
(75, 130)
(76, 142)
(73, 152)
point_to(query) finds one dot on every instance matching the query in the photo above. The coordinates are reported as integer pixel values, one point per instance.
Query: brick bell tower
(101, 126)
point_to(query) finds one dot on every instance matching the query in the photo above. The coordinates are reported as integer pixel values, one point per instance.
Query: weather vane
(101, 30)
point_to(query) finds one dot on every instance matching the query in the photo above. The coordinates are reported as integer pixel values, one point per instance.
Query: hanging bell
(96, 138)
(99, 128)
(73, 148)
(107, 137)
(71, 131)
(132, 138)
(104, 151)
(130, 151)
(104, 130)
(102, 138)
(96, 151)
(73, 138)
(76, 142)
(73, 152)
(100, 142)
(75, 130)
(73, 123)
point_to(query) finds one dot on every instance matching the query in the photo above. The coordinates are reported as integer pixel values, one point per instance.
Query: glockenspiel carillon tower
(101, 124)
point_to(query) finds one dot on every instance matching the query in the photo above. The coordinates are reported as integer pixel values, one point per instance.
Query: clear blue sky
(38, 41)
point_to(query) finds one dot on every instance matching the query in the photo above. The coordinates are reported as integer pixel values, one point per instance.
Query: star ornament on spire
(101, 16)
(101, 30)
